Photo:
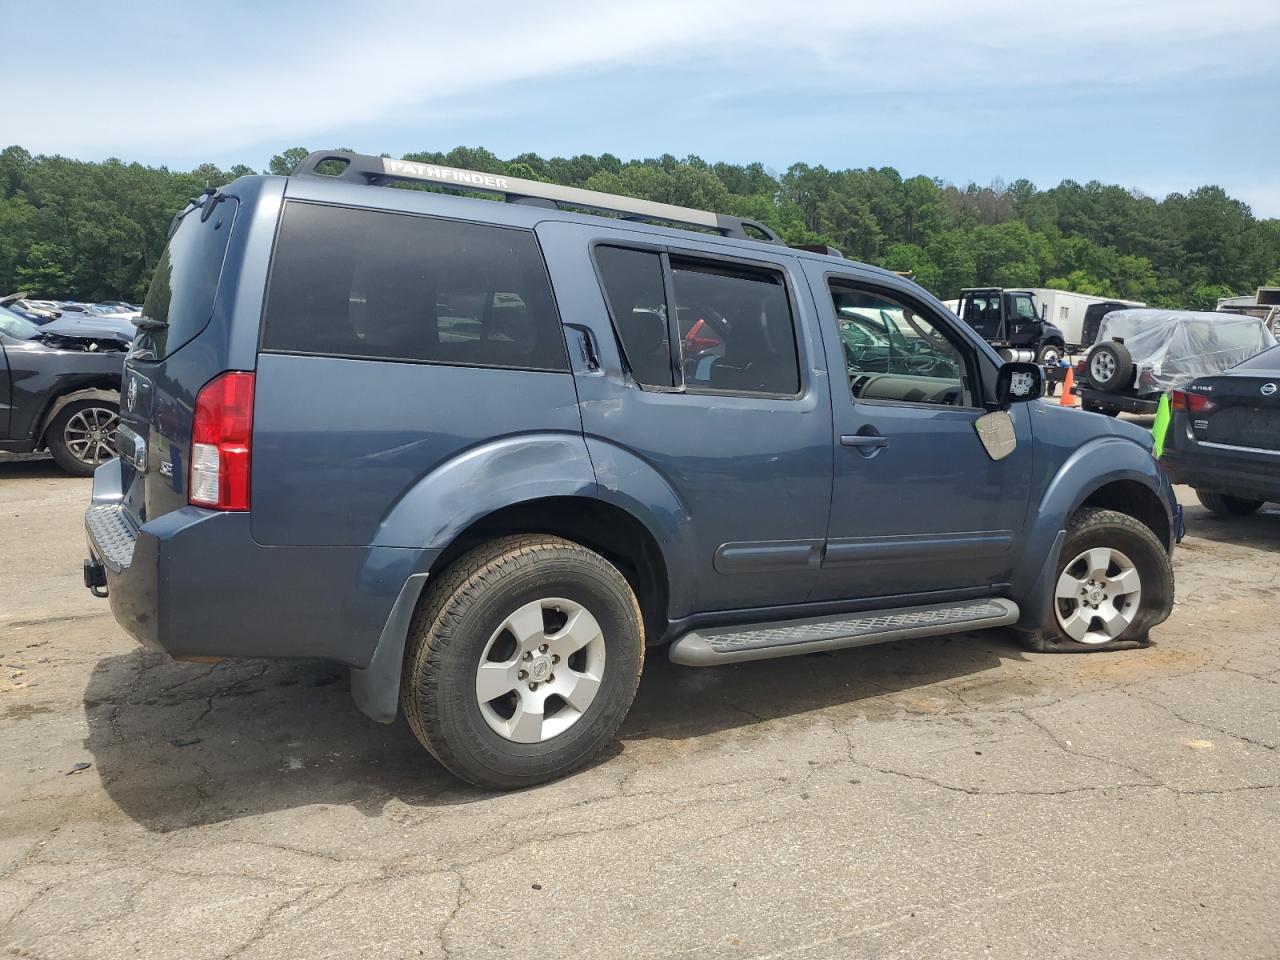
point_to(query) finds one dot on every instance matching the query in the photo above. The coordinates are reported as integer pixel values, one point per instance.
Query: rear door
(712, 380)
(918, 505)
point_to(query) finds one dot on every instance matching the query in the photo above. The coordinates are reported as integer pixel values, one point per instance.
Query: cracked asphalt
(950, 797)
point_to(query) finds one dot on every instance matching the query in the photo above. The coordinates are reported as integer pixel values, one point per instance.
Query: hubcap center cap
(539, 668)
(1096, 595)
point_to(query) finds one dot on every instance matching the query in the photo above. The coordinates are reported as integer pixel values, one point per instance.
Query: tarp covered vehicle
(1143, 353)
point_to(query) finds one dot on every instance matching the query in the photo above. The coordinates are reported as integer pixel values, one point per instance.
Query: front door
(918, 505)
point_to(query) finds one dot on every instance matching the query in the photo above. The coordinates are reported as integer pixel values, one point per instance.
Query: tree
(96, 230)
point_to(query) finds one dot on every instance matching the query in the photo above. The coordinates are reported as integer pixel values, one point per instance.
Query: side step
(786, 638)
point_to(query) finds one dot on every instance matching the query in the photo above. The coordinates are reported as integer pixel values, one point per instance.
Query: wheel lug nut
(543, 648)
(522, 675)
(533, 686)
(528, 655)
(551, 678)
(555, 658)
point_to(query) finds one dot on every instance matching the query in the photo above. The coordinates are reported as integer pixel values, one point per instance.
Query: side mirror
(1017, 383)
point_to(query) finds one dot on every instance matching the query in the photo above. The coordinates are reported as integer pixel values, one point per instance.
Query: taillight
(220, 439)
(1191, 402)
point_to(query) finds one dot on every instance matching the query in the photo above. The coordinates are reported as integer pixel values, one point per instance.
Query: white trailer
(1065, 310)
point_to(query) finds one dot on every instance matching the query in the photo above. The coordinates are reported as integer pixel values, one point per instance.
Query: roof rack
(362, 168)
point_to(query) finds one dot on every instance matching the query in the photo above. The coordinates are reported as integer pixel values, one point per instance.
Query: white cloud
(219, 86)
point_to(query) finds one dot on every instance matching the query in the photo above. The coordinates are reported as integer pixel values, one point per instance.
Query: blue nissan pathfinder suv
(487, 455)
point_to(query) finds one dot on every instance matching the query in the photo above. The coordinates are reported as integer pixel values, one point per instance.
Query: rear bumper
(195, 583)
(1238, 473)
(1117, 401)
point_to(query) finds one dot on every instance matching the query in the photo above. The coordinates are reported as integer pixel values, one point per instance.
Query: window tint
(633, 286)
(182, 289)
(736, 330)
(367, 283)
(894, 353)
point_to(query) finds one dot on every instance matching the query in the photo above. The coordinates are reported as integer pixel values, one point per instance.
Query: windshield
(15, 326)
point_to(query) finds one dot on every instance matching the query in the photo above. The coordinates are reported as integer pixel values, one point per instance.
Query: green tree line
(91, 231)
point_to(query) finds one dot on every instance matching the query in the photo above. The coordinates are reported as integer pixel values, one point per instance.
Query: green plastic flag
(1161, 426)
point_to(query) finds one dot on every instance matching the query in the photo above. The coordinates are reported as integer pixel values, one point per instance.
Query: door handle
(867, 441)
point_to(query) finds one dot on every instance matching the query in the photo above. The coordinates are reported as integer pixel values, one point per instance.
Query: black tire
(1050, 351)
(1225, 505)
(64, 447)
(1094, 527)
(1114, 376)
(456, 618)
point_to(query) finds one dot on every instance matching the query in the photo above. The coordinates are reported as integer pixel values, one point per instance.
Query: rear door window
(734, 325)
(737, 333)
(373, 284)
(180, 298)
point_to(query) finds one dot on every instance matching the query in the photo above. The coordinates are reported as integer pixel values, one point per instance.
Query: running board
(786, 638)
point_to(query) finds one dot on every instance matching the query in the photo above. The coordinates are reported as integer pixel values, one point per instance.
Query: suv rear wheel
(1225, 505)
(522, 661)
(1114, 580)
(83, 435)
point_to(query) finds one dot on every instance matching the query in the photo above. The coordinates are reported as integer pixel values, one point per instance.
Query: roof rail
(362, 168)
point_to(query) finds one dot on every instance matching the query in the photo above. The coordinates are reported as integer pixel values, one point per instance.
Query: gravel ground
(949, 797)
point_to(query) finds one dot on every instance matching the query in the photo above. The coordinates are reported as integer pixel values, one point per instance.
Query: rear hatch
(1241, 409)
(161, 378)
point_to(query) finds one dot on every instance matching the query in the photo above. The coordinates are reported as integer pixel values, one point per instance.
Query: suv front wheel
(1114, 582)
(522, 661)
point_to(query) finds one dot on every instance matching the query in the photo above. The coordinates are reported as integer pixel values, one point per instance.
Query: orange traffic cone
(1069, 399)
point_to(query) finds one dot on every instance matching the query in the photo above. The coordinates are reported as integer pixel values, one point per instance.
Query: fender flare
(60, 403)
(482, 479)
(487, 478)
(1091, 467)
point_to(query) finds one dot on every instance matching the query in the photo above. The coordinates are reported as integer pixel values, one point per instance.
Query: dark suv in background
(60, 389)
(489, 454)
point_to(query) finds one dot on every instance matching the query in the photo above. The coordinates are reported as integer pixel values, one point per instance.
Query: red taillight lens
(1191, 402)
(221, 436)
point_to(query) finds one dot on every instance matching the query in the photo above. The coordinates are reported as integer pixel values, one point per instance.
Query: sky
(1156, 96)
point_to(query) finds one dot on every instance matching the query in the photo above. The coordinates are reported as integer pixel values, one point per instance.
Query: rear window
(1266, 360)
(379, 285)
(186, 279)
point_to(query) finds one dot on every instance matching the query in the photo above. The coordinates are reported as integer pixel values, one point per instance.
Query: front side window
(1024, 309)
(892, 352)
(380, 285)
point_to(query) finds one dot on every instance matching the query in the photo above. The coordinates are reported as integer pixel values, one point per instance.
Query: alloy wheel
(1098, 595)
(90, 434)
(540, 670)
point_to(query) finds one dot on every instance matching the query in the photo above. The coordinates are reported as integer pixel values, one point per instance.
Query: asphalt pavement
(948, 797)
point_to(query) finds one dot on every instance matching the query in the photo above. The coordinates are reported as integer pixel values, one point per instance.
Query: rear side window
(372, 284)
(180, 299)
